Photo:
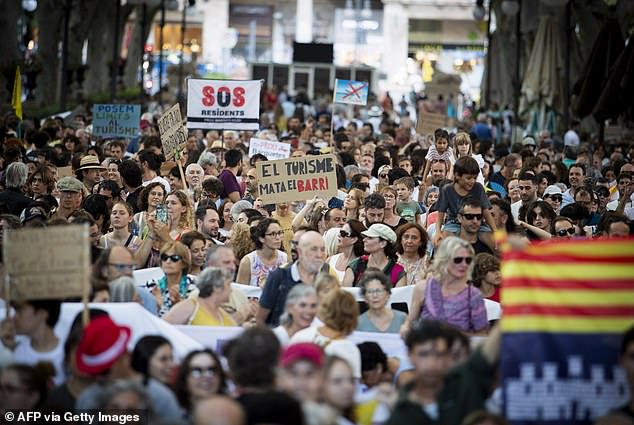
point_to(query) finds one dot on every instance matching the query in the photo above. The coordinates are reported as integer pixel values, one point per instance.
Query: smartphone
(161, 213)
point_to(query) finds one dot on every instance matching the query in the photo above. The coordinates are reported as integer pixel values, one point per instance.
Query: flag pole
(332, 115)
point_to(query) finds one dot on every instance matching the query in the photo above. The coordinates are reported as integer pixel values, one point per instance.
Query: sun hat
(307, 351)
(90, 162)
(102, 343)
(378, 230)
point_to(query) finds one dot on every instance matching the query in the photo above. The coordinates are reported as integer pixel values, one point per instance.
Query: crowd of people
(411, 210)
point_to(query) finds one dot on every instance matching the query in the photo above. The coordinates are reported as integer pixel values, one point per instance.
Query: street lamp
(29, 5)
(479, 12)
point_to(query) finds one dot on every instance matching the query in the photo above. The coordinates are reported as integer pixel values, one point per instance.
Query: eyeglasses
(458, 260)
(383, 176)
(199, 372)
(472, 216)
(555, 198)
(275, 234)
(570, 231)
(345, 234)
(376, 291)
(174, 258)
(122, 267)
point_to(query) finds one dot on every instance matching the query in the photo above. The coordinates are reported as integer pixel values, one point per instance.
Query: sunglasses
(344, 234)
(383, 176)
(472, 216)
(556, 198)
(174, 258)
(458, 260)
(570, 231)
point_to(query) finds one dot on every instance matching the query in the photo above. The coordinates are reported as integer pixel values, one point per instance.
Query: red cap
(102, 343)
(302, 351)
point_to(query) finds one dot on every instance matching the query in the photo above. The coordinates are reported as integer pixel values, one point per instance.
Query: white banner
(270, 149)
(223, 104)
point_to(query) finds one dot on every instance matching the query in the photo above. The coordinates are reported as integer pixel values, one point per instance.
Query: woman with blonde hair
(331, 238)
(240, 240)
(180, 213)
(353, 203)
(463, 147)
(447, 295)
(339, 313)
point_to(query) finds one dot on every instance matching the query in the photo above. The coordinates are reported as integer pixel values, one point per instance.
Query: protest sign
(297, 179)
(173, 134)
(223, 104)
(428, 122)
(351, 92)
(116, 120)
(270, 149)
(566, 306)
(50, 263)
(65, 171)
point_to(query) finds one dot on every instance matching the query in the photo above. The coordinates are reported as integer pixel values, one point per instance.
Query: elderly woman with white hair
(299, 311)
(209, 162)
(214, 289)
(123, 290)
(447, 295)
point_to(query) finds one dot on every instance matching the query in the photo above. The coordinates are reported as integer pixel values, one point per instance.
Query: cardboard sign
(51, 263)
(297, 179)
(428, 122)
(116, 120)
(223, 104)
(65, 171)
(173, 134)
(270, 149)
(351, 92)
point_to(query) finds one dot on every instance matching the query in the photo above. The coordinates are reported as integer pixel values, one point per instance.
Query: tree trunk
(50, 19)
(135, 54)
(83, 17)
(10, 56)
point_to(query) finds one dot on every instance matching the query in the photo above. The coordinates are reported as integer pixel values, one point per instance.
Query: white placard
(270, 149)
(223, 104)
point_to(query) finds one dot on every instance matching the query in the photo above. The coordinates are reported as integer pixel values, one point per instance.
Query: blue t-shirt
(449, 201)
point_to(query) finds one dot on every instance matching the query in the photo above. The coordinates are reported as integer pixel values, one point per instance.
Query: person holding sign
(256, 266)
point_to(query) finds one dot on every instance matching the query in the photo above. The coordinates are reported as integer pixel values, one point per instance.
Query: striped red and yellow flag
(571, 286)
(565, 307)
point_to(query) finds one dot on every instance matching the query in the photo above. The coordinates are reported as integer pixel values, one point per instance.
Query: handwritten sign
(116, 120)
(270, 149)
(297, 179)
(52, 263)
(173, 134)
(65, 171)
(428, 122)
(223, 104)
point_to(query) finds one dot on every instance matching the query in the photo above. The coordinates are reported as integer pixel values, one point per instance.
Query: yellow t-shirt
(286, 223)
(203, 318)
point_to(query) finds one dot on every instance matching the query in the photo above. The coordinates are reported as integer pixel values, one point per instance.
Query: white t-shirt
(571, 138)
(343, 348)
(24, 353)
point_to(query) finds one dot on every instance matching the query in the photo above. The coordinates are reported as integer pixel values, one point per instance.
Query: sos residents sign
(297, 179)
(223, 104)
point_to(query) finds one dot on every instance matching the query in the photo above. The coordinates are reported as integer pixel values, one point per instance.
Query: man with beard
(208, 222)
(576, 177)
(311, 252)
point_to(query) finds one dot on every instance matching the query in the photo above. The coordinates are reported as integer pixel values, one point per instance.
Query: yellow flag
(16, 99)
